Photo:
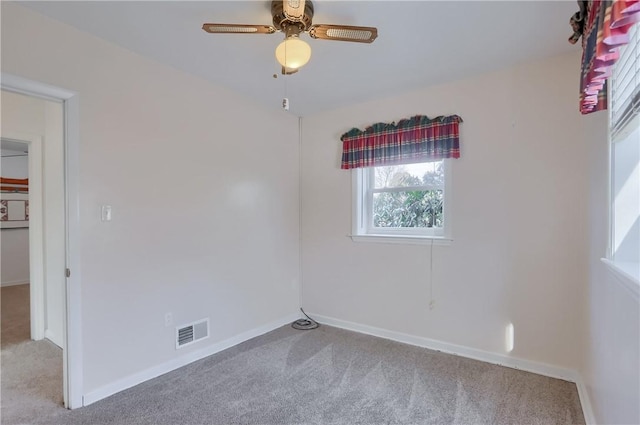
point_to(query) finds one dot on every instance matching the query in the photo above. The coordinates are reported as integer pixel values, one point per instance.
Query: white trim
(73, 302)
(36, 230)
(459, 350)
(27, 87)
(357, 205)
(153, 372)
(14, 283)
(473, 353)
(36, 237)
(71, 330)
(362, 229)
(51, 336)
(610, 173)
(402, 240)
(585, 401)
(624, 277)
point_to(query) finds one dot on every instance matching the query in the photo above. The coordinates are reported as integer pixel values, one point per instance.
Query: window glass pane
(626, 195)
(418, 208)
(426, 173)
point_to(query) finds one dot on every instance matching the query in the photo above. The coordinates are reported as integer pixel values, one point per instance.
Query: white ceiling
(420, 43)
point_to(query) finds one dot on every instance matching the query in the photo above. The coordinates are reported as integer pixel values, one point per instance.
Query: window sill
(627, 272)
(405, 240)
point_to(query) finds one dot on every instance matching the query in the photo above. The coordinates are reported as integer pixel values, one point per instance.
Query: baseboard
(459, 350)
(14, 283)
(51, 336)
(147, 374)
(472, 353)
(585, 401)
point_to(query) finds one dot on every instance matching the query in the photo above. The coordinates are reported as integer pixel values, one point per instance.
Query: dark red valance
(416, 139)
(604, 26)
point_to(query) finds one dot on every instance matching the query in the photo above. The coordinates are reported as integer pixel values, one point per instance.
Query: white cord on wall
(432, 302)
(300, 286)
(306, 323)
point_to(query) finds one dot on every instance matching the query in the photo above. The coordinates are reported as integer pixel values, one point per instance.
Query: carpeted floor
(30, 371)
(327, 376)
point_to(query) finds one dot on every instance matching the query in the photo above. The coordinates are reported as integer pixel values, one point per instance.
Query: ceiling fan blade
(293, 9)
(289, 71)
(344, 33)
(238, 29)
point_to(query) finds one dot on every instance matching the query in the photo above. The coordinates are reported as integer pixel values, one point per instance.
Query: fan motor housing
(281, 22)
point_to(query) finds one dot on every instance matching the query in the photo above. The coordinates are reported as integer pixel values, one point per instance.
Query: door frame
(72, 323)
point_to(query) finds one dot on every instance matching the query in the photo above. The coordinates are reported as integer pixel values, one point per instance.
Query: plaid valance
(604, 26)
(415, 139)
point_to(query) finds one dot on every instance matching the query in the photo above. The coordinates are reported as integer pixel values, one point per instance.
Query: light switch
(106, 213)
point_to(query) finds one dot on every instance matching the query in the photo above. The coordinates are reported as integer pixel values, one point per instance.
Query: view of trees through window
(409, 195)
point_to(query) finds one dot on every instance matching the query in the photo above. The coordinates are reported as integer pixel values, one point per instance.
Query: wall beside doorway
(14, 249)
(38, 117)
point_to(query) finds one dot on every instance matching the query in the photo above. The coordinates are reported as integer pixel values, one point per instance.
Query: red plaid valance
(416, 139)
(604, 30)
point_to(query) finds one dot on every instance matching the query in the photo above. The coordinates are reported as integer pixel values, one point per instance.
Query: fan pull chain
(285, 99)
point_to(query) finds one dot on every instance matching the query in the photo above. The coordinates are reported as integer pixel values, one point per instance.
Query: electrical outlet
(168, 319)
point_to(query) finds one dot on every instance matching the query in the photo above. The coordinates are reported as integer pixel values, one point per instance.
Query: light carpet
(323, 376)
(333, 376)
(30, 371)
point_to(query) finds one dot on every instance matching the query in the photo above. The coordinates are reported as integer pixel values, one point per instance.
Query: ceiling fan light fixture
(293, 9)
(293, 53)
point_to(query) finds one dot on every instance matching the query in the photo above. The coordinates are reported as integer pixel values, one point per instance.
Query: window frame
(629, 272)
(623, 121)
(362, 215)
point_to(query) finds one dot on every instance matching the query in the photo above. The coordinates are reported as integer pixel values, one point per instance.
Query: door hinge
(68, 273)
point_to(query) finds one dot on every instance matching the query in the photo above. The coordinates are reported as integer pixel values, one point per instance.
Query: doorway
(33, 219)
(60, 230)
(39, 124)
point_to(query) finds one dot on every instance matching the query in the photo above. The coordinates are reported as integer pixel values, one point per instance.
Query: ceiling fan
(293, 17)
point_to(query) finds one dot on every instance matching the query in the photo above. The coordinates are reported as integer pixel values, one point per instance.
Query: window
(401, 178)
(406, 202)
(625, 159)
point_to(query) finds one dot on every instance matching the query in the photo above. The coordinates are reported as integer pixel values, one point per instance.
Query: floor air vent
(193, 332)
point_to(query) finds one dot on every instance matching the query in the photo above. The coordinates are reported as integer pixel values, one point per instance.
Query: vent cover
(193, 332)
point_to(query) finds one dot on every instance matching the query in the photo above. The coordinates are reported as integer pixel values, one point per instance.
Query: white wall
(611, 368)
(14, 243)
(223, 242)
(32, 116)
(14, 256)
(15, 167)
(204, 189)
(519, 196)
